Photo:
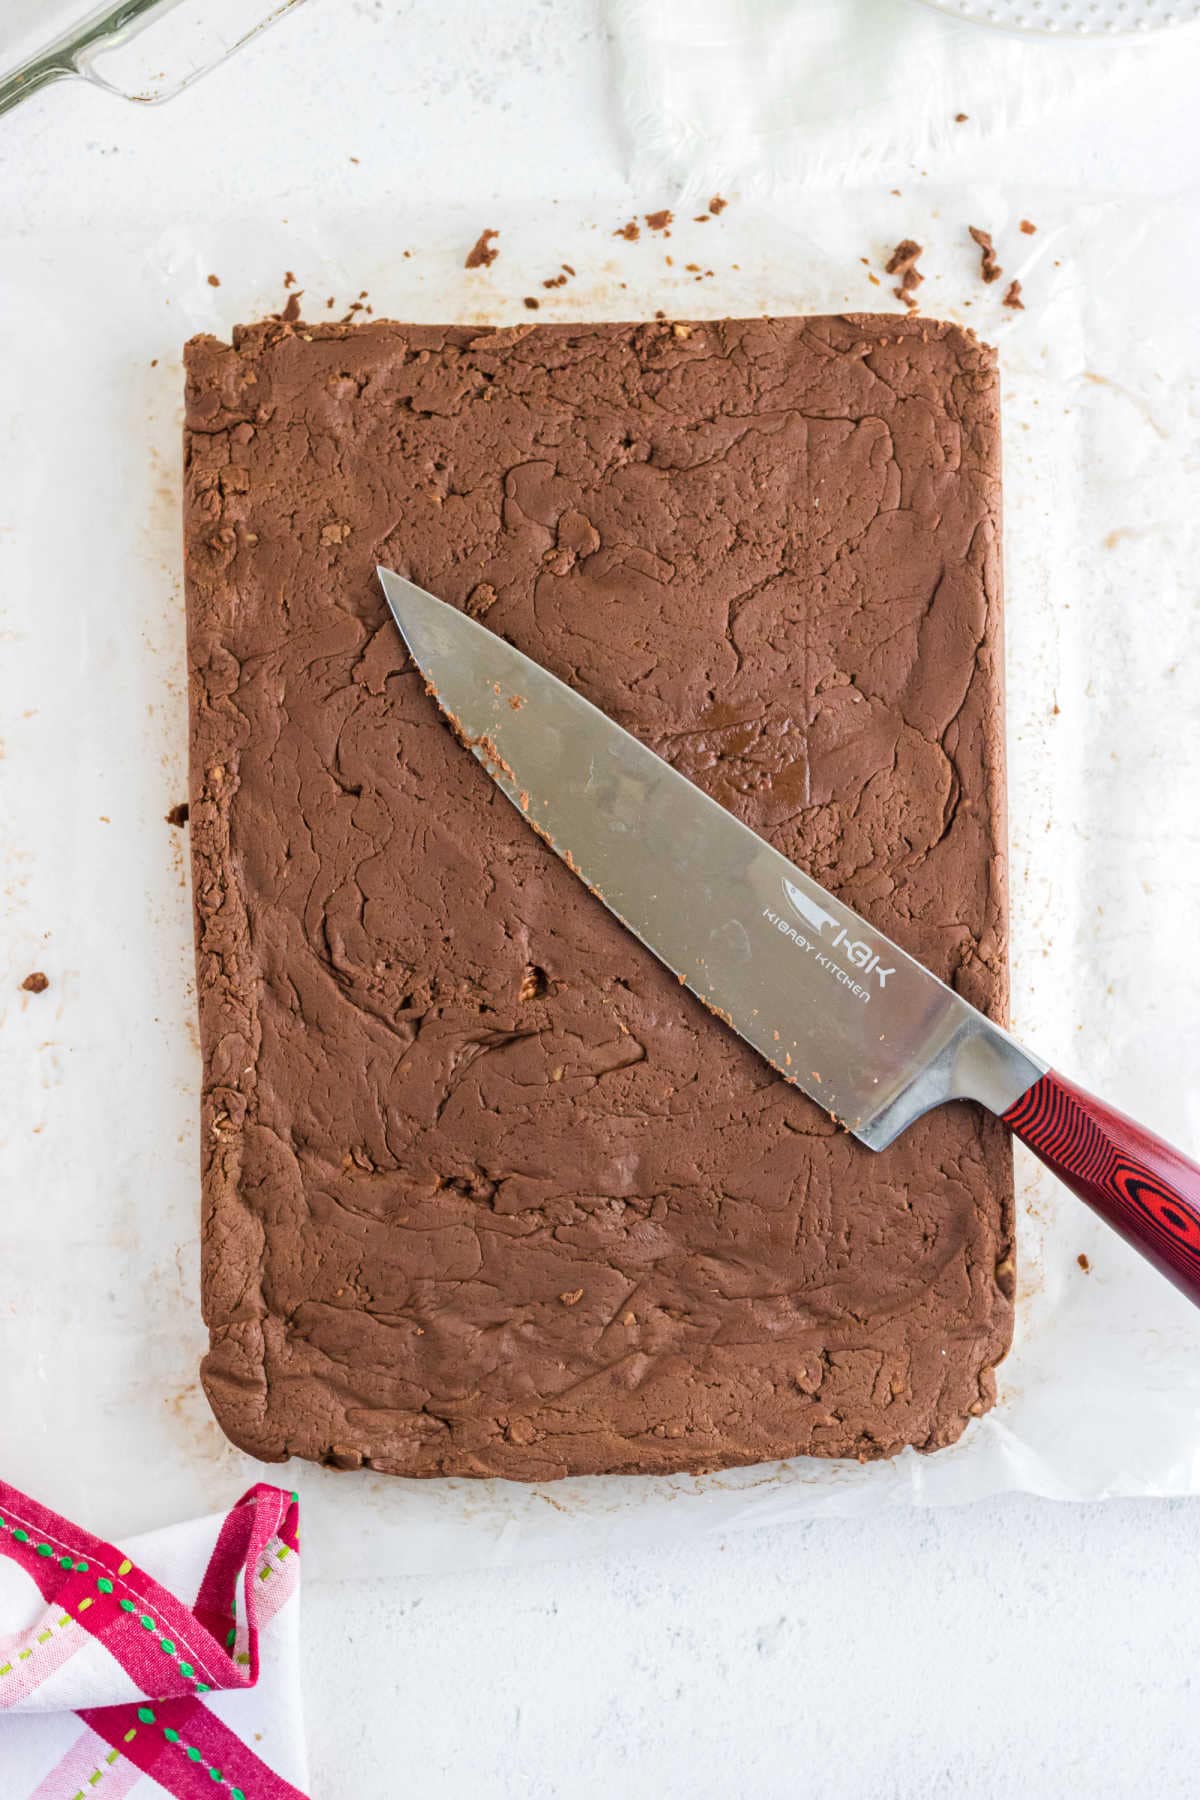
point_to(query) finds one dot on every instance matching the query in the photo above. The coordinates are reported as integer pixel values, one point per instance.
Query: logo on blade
(857, 951)
(809, 911)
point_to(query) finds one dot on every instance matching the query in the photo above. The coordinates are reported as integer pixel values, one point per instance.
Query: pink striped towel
(169, 1667)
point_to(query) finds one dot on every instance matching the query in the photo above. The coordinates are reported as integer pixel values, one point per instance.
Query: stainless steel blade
(838, 1009)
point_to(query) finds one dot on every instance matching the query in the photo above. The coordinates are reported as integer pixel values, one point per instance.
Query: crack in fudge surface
(485, 1191)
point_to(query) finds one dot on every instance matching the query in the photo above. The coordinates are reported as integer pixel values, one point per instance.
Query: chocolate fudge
(485, 1190)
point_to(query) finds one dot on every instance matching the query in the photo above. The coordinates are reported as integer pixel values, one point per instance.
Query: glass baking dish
(144, 50)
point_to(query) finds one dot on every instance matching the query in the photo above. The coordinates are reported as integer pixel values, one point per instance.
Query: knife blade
(836, 1007)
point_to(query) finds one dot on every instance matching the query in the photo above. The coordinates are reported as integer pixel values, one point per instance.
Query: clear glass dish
(144, 50)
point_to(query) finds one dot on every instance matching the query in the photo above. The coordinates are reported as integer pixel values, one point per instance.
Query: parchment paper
(100, 1336)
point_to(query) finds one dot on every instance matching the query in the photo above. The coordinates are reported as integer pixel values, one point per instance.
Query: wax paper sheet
(101, 1413)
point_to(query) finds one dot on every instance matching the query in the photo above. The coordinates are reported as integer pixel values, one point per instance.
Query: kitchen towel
(754, 94)
(168, 1667)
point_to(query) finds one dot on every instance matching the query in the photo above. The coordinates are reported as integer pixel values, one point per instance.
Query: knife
(837, 1008)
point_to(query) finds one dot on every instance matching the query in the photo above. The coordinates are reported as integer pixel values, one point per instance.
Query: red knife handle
(1145, 1189)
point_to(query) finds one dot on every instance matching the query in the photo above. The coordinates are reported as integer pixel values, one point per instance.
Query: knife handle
(1142, 1187)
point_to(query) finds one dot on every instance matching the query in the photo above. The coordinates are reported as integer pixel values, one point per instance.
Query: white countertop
(1011, 1648)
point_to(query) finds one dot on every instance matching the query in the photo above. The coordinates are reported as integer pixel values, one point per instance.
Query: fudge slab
(485, 1191)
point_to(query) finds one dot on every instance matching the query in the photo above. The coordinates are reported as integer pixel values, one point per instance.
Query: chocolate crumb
(289, 280)
(480, 599)
(960, 118)
(700, 218)
(291, 311)
(658, 221)
(37, 983)
(555, 281)
(989, 268)
(482, 254)
(903, 262)
(1013, 296)
(1083, 1262)
(630, 232)
(1028, 227)
(717, 205)
(178, 814)
(531, 303)
(903, 257)
(214, 281)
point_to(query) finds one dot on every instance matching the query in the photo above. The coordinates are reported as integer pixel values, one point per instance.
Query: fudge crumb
(1013, 296)
(531, 303)
(37, 983)
(682, 331)
(482, 254)
(903, 257)
(629, 1318)
(566, 268)
(1028, 227)
(337, 533)
(989, 268)
(1083, 1262)
(903, 262)
(700, 218)
(573, 1298)
(659, 221)
(291, 311)
(178, 815)
(480, 598)
(289, 280)
(717, 205)
(555, 281)
(960, 118)
(214, 281)
(630, 232)
(660, 314)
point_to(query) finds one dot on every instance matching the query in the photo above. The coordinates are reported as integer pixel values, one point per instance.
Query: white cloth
(752, 93)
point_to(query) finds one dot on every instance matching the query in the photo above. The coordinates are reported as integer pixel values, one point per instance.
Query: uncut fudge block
(485, 1191)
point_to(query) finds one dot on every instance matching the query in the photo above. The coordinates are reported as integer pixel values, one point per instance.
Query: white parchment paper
(100, 1335)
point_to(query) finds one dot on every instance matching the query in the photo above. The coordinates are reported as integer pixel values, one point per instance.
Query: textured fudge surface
(485, 1191)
